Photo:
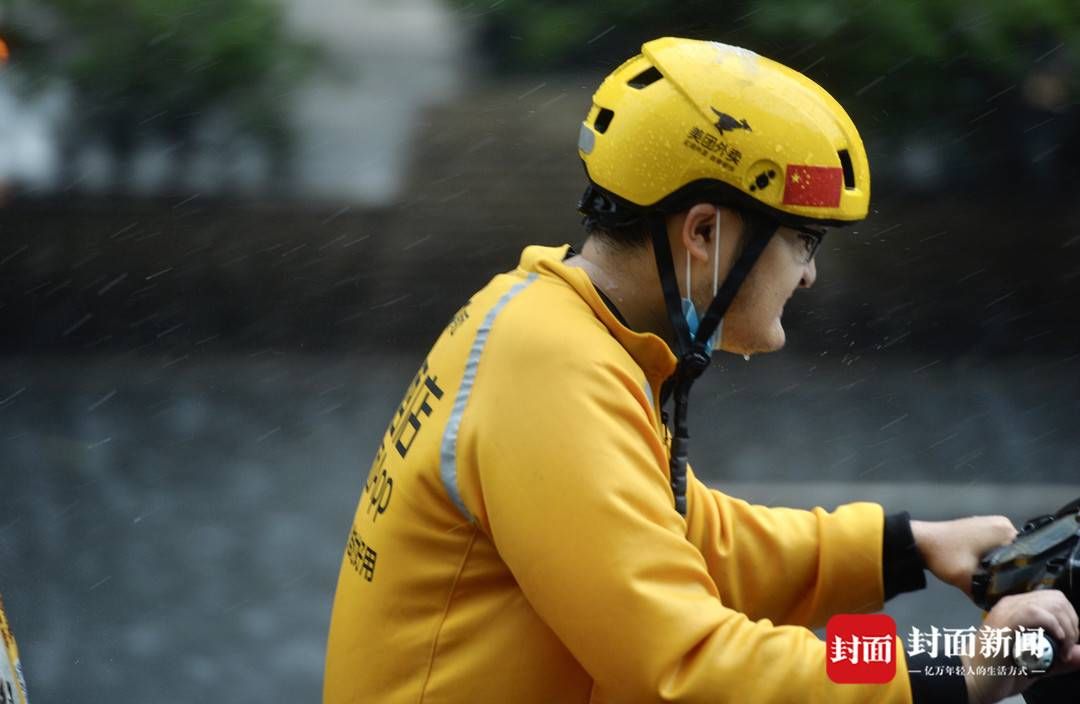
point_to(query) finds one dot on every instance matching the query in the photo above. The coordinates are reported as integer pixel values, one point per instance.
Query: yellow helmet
(695, 121)
(691, 121)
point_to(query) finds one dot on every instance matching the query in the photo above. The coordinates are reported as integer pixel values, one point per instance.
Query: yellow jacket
(516, 540)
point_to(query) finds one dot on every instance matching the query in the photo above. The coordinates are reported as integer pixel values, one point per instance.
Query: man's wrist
(903, 566)
(930, 683)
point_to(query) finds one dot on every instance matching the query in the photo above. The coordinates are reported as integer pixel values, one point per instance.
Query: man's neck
(629, 278)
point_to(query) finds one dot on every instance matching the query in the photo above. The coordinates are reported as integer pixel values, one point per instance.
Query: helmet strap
(759, 231)
(669, 283)
(693, 353)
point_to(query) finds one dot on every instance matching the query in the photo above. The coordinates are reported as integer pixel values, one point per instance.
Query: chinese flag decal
(813, 185)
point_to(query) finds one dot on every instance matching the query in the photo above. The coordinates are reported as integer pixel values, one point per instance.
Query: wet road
(170, 530)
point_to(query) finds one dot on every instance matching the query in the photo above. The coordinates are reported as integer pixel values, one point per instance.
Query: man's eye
(807, 241)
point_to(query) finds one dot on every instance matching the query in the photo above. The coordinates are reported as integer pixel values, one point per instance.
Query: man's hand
(1047, 609)
(952, 549)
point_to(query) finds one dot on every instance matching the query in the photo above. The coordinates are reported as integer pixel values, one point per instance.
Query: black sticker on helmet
(763, 180)
(727, 123)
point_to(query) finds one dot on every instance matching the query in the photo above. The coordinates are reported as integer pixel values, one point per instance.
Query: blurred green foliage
(159, 66)
(954, 51)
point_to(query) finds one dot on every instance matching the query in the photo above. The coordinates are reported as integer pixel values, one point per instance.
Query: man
(530, 530)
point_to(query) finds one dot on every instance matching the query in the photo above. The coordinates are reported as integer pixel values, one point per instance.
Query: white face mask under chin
(689, 310)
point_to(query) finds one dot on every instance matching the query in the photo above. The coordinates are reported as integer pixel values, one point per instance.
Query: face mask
(689, 310)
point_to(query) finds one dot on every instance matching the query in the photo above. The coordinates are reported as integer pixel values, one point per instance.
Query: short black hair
(620, 227)
(627, 236)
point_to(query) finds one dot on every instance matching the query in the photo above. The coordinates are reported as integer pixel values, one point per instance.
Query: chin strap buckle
(694, 363)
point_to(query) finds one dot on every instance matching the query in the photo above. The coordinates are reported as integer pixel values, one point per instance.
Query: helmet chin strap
(693, 353)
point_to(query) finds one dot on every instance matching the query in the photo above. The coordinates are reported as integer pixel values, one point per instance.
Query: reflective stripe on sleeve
(448, 456)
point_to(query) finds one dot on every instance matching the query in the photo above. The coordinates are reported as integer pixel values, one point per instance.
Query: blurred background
(230, 230)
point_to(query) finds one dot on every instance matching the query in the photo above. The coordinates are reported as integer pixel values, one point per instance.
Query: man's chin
(773, 342)
(769, 339)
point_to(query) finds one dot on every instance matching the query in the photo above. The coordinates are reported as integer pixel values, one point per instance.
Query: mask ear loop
(716, 259)
(719, 334)
(688, 275)
(716, 254)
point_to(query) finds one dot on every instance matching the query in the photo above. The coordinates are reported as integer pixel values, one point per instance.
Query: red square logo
(860, 648)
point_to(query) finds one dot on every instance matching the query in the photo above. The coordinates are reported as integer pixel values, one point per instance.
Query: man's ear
(698, 230)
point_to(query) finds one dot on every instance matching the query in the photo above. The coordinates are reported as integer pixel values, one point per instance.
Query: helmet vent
(849, 172)
(603, 119)
(645, 78)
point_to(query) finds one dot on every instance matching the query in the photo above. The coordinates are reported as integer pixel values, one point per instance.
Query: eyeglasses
(811, 239)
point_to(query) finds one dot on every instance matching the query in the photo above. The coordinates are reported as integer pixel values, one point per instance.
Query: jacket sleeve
(790, 566)
(573, 490)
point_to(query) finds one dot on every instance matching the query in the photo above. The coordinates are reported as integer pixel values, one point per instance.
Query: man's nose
(809, 275)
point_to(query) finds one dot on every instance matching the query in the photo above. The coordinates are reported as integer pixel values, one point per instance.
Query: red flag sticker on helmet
(813, 185)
